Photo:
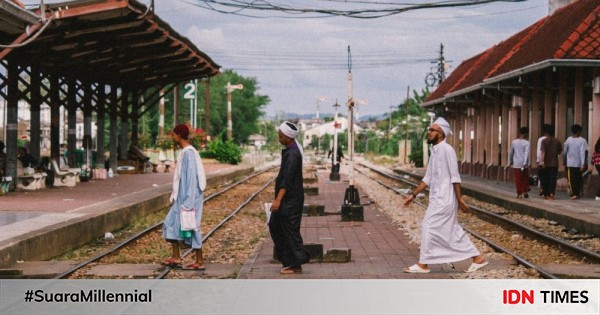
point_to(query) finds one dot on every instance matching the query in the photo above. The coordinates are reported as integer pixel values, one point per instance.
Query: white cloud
(251, 46)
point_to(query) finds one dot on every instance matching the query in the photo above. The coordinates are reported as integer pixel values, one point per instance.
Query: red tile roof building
(547, 73)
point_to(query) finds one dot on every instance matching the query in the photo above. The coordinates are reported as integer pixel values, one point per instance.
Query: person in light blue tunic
(189, 182)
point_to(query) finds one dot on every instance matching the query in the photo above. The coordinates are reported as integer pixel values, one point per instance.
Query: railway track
(220, 209)
(494, 227)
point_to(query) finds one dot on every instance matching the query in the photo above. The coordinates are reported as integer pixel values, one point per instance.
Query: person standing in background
(518, 158)
(538, 151)
(596, 163)
(551, 148)
(574, 159)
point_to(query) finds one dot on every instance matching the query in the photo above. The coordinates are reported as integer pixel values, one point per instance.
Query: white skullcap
(287, 130)
(444, 125)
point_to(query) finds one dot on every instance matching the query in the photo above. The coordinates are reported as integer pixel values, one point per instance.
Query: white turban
(287, 130)
(291, 133)
(444, 125)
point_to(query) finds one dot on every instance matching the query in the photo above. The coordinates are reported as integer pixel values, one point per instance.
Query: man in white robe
(442, 238)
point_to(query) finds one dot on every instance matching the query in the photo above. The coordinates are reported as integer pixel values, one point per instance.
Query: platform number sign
(190, 91)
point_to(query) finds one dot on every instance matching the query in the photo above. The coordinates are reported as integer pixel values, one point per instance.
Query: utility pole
(335, 171)
(390, 122)
(207, 108)
(176, 105)
(441, 66)
(161, 114)
(230, 88)
(351, 209)
(406, 125)
(320, 99)
(436, 78)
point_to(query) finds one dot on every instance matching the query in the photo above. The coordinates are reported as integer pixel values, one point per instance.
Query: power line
(363, 10)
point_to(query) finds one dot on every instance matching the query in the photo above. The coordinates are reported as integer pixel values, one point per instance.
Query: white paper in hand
(268, 212)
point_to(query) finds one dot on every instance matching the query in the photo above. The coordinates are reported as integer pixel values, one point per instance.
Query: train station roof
(116, 42)
(569, 37)
(14, 19)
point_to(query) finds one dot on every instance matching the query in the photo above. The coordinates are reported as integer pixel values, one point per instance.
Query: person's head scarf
(291, 131)
(444, 125)
(182, 130)
(288, 129)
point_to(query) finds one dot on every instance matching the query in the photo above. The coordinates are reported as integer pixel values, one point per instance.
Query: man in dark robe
(286, 210)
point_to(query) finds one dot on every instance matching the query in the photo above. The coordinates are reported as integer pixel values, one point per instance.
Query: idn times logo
(547, 297)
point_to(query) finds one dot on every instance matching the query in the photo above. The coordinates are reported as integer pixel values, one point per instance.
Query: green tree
(247, 106)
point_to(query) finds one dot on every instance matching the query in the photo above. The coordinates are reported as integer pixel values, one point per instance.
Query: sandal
(171, 262)
(475, 266)
(290, 270)
(416, 269)
(195, 266)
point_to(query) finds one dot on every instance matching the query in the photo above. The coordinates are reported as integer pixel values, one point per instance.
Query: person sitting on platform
(27, 159)
(2, 159)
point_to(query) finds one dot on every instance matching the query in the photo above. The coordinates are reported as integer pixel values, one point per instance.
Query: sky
(298, 62)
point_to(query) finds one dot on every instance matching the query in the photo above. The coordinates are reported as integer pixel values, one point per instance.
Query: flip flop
(475, 266)
(171, 262)
(195, 266)
(290, 270)
(416, 269)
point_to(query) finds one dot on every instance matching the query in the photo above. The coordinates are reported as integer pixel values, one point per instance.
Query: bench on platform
(64, 166)
(29, 179)
(141, 161)
(32, 181)
(64, 178)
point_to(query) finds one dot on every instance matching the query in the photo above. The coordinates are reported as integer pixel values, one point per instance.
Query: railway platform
(379, 249)
(37, 225)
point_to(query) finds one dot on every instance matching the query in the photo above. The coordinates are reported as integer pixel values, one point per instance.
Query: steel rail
(218, 226)
(146, 231)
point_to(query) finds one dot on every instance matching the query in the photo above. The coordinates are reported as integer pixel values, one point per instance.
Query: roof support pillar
(207, 107)
(54, 118)
(12, 111)
(578, 101)
(561, 111)
(505, 143)
(487, 149)
(478, 137)
(467, 153)
(112, 162)
(524, 121)
(100, 111)
(548, 100)
(123, 140)
(535, 126)
(36, 102)
(135, 106)
(87, 142)
(72, 121)
(495, 149)
(513, 124)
